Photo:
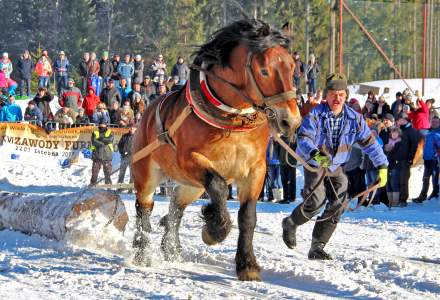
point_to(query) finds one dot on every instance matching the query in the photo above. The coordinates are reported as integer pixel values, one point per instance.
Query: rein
(346, 201)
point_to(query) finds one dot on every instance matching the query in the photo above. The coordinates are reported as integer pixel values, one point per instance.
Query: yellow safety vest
(106, 134)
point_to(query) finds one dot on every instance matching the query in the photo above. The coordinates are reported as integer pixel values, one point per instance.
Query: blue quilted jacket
(315, 134)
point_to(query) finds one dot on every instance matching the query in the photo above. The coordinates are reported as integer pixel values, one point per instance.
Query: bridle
(265, 103)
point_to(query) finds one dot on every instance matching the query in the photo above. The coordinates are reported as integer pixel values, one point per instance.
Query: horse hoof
(249, 275)
(141, 260)
(206, 237)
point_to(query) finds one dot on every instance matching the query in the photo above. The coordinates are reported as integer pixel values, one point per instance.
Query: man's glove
(321, 158)
(383, 176)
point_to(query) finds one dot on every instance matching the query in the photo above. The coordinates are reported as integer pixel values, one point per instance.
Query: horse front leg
(247, 267)
(182, 197)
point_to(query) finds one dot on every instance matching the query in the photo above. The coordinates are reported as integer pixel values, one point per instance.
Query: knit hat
(389, 117)
(71, 80)
(336, 81)
(105, 53)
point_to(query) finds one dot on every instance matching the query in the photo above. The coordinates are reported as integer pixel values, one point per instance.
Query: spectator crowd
(110, 89)
(116, 92)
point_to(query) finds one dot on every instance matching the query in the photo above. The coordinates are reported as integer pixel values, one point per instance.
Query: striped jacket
(315, 134)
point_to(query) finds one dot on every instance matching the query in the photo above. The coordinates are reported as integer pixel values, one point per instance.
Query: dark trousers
(96, 167)
(61, 83)
(316, 199)
(21, 84)
(297, 82)
(288, 179)
(125, 163)
(356, 181)
(404, 173)
(84, 84)
(431, 169)
(312, 85)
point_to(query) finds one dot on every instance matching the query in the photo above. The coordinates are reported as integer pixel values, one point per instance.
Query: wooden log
(57, 216)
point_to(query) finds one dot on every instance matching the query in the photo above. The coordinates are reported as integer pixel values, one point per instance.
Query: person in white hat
(6, 65)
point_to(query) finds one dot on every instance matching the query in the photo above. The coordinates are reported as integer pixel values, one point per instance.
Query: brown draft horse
(243, 80)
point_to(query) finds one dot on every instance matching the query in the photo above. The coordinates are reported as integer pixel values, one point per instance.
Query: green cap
(336, 81)
(105, 53)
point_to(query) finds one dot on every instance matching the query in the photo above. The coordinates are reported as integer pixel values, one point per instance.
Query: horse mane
(257, 35)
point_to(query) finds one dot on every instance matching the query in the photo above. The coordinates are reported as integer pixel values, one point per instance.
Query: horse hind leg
(215, 214)
(146, 178)
(182, 197)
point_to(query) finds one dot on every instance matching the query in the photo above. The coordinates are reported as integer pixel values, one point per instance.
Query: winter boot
(433, 195)
(289, 232)
(420, 199)
(317, 251)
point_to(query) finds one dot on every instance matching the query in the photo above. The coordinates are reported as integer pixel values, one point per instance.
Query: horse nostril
(285, 124)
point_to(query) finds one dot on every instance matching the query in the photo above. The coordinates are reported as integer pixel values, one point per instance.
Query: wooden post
(341, 68)
(425, 14)
(332, 53)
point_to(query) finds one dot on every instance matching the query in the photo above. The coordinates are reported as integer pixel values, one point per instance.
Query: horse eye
(264, 72)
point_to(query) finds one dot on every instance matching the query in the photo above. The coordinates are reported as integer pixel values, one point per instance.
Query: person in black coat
(410, 141)
(388, 122)
(105, 68)
(115, 113)
(42, 100)
(381, 108)
(288, 172)
(110, 94)
(124, 148)
(102, 153)
(25, 66)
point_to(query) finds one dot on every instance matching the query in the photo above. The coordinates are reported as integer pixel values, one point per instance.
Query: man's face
(115, 105)
(401, 122)
(180, 60)
(62, 56)
(41, 93)
(137, 87)
(117, 58)
(429, 104)
(387, 123)
(160, 57)
(70, 84)
(435, 123)
(336, 100)
(31, 106)
(146, 81)
(111, 84)
(127, 58)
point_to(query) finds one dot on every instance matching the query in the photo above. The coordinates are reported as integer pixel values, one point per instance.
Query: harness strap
(171, 131)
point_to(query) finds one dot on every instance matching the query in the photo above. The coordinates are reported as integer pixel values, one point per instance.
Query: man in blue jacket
(430, 162)
(61, 67)
(325, 139)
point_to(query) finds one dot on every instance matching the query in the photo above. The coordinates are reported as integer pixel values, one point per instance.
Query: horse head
(255, 71)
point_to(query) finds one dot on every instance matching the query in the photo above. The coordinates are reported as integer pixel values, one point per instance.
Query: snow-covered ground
(379, 253)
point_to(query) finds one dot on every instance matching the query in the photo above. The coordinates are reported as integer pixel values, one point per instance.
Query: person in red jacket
(91, 100)
(419, 115)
